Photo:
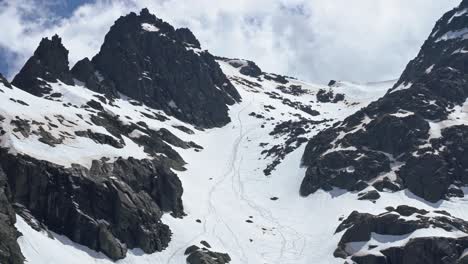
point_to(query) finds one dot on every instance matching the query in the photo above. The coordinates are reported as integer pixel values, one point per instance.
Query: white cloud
(311, 39)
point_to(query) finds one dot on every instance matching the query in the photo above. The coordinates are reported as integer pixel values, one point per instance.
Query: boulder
(370, 195)
(205, 256)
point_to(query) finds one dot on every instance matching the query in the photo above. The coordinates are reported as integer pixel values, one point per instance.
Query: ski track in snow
(211, 203)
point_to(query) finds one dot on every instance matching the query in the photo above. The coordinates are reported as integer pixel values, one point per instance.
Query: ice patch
(458, 14)
(172, 104)
(462, 34)
(149, 27)
(429, 70)
(402, 114)
(402, 86)
(99, 76)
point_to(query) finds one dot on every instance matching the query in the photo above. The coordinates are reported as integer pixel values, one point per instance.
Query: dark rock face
(370, 195)
(397, 127)
(369, 259)
(427, 177)
(387, 185)
(251, 69)
(205, 256)
(431, 174)
(454, 144)
(10, 252)
(108, 208)
(343, 169)
(148, 60)
(392, 134)
(432, 250)
(85, 72)
(49, 63)
(359, 227)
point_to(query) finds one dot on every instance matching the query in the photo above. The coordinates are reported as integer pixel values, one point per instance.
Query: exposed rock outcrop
(328, 96)
(10, 252)
(398, 224)
(108, 208)
(195, 255)
(245, 67)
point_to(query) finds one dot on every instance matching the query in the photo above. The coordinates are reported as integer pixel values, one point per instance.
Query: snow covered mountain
(156, 151)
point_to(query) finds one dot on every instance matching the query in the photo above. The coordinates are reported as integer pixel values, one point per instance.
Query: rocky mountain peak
(148, 60)
(52, 46)
(186, 36)
(404, 139)
(49, 63)
(444, 48)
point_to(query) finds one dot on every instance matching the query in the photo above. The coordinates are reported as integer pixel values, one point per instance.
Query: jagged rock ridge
(146, 59)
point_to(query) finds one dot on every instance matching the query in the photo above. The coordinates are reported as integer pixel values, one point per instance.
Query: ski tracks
(212, 211)
(292, 243)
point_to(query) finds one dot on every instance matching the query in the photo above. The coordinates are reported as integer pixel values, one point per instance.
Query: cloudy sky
(315, 40)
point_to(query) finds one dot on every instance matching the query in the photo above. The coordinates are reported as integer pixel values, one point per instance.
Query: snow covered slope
(229, 200)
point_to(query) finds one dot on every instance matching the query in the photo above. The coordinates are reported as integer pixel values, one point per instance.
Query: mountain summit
(48, 64)
(148, 60)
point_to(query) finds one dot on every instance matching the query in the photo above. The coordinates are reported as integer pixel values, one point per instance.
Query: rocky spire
(48, 64)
